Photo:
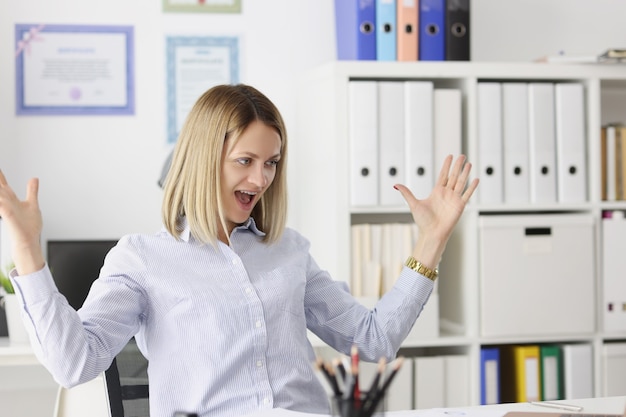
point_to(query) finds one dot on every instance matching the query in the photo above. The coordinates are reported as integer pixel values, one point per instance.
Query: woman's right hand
(24, 222)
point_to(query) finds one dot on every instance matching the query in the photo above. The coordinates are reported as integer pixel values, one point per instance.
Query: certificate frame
(202, 6)
(98, 82)
(222, 61)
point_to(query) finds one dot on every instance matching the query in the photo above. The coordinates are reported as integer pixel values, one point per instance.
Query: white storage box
(537, 275)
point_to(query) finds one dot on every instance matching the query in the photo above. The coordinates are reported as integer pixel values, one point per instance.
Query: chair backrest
(88, 399)
(127, 383)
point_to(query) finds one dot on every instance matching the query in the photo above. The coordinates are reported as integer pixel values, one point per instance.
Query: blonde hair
(192, 187)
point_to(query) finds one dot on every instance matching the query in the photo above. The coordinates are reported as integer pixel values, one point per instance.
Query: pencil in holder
(362, 406)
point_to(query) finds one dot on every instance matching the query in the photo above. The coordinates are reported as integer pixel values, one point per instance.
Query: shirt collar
(250, 224)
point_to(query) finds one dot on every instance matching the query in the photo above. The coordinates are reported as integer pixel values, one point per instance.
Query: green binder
(551, 370)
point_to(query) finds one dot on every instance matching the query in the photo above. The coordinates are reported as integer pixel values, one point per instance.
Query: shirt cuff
(33, 288)
(414, 284)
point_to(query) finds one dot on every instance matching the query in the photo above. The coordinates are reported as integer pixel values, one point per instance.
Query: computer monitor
(75, 264)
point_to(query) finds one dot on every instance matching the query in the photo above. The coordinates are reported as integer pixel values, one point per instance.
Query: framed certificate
(74, 70)
(202, 6)
(195, 64)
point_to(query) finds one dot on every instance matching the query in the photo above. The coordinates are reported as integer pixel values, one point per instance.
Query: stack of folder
(531, 142)
(400, 132)
(520, 373)
(403, 30)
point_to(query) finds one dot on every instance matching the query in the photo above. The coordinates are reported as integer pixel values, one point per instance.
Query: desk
(16, 354)
(23, 378)
(606, 405)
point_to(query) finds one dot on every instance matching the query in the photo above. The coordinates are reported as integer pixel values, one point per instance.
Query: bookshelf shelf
(321, 140)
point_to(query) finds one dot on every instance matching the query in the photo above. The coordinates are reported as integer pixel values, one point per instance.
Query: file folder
(542, 143)
(614, 364)
(355, 29)
(386, 31)
(363, 142)
(429, 382)
(515, 143)
(448, 124)
(577, 371)
(401, 396)
(457, 30)
(570, 143)
(613, 267)
(419, 142)
(490, 142)
(457, 380)
(432, 20)
(551, 373)
(391, 141)
(407, 30)
(520, 374)
(611, 162)
(489, 375)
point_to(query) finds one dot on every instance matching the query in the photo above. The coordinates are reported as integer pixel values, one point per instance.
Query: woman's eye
(272, 163)
(244, 161)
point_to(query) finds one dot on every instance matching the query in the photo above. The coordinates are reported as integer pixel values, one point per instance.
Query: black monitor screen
(75, 264)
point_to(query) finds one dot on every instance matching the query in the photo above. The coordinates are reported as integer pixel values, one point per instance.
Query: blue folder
(432, 23)
(489, 386)
(386, 31)
(355, 23)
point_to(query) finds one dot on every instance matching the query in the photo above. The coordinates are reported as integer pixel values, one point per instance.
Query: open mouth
(245, 197)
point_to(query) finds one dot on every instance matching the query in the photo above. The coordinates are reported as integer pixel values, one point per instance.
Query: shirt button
(259, 364)
(266, 400)
(258, 323)
(248, 290)
(235, 261)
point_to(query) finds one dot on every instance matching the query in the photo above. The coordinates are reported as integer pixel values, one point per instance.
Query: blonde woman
(221, 299)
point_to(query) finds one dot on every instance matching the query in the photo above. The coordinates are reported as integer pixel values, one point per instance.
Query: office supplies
(610, 167)
(613, 267)
(387, 382)
(542, 143)
(355, 28)
(401, 396)
(363, 139)
(489, 375)
(391, 141)
(386, 30)
(559, 406)
(447, 124)
(551, 372)
(520, 373)
(432, 46)
(570, 142)
(614, 368)
(457, 374)
(578, 370)
(490, 152)
(407, 30)
(355, 391)
(429, 382)
(418, 137)
(457, 36)
(515, 145)
(353, 402)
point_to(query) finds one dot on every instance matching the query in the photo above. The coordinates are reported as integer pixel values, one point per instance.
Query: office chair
(126, 383)
(120, 391)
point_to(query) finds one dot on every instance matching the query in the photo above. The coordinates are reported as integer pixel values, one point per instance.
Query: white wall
(98, 174)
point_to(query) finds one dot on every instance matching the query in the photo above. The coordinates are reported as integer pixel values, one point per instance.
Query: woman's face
(248, 169)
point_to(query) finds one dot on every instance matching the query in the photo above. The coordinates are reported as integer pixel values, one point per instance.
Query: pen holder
(363, 406)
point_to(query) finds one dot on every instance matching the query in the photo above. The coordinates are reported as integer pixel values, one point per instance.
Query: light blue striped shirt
(224, 329)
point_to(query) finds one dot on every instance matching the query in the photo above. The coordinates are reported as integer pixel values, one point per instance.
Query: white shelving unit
(320, 149)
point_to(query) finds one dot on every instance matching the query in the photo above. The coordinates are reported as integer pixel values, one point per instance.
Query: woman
(221, 299)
